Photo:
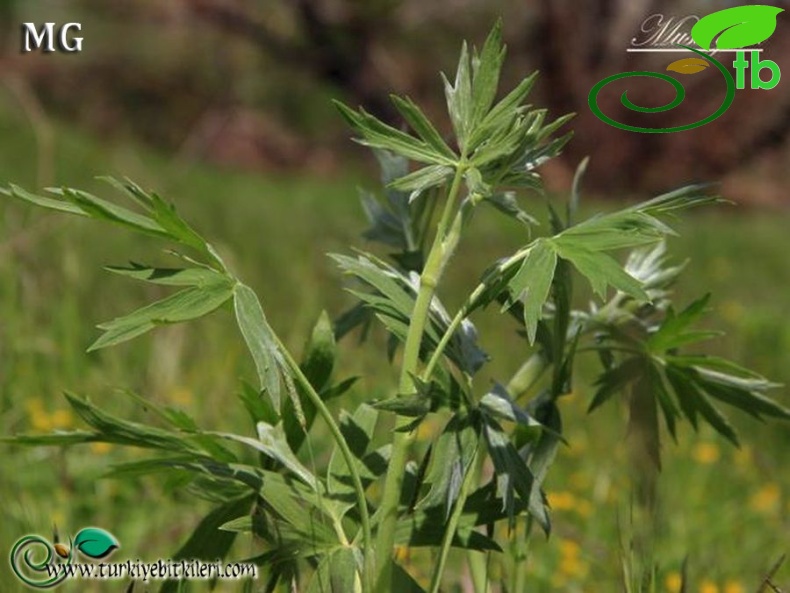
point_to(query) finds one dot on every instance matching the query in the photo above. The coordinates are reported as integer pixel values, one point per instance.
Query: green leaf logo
(95, 543)
(736, 27)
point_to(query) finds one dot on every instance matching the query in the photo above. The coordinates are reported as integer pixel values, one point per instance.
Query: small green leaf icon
(688, 65)
(736, 27)
(95, 542)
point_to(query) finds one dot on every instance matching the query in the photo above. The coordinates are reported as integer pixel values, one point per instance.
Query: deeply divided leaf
(532, 283)
(187, 304)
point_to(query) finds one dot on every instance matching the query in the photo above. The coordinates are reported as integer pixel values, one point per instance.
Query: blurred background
(224, 107)
(246, 84)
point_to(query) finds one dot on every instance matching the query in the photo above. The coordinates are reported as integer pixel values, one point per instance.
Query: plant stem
(348, 458)
(462, 314)
(452, 524)
(479, 561)
(528, 374)
(432, 271)
(448, 334)
(644, 452)
(464, 311)
(520, 552)
(478, 570)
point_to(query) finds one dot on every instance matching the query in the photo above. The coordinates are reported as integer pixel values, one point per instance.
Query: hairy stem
(434, 266)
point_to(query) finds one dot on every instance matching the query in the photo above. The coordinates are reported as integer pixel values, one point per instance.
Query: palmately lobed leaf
(417, 182)
(675, 330)
(320, 353)
(486, 67)
(650, 266)
(503, 114)
(459, 99)
(694, 402)
(198, 276)
(337, 571)
(272, 442)
(184, 305)
(377, 134)
(507, 203)
(532, 284)
(615, 380)
(498, 404)
(451, 459)
(513, 477)
(420, 124)
(263, 345)
(600, 269)
(358, 430)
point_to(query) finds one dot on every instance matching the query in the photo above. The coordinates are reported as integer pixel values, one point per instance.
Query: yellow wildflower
(41, 422)
(708, 587)
(573, 567)
(62, 419)
(101, 448)
(672, 582)
(766, 499)
(39, 419)
(562, 501)
(734, 587)
(569, 548)
(705, 453)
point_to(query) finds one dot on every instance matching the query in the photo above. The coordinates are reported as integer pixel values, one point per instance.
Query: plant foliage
(325, 527)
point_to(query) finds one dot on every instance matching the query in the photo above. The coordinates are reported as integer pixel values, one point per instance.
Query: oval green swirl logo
(727, 29)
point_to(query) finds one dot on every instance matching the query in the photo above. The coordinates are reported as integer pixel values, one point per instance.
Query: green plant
(326, 520)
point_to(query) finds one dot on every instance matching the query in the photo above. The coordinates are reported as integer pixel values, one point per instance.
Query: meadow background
(251, 152)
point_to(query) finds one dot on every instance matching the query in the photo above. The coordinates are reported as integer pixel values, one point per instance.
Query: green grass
(728, 510)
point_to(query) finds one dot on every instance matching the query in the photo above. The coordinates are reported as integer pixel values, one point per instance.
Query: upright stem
(520, 554)
(478, 561)
(478, 570)
(452, 524)
(448, 334)
(644, 450)
(348, 458)
(440, 252)
(456, 321)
